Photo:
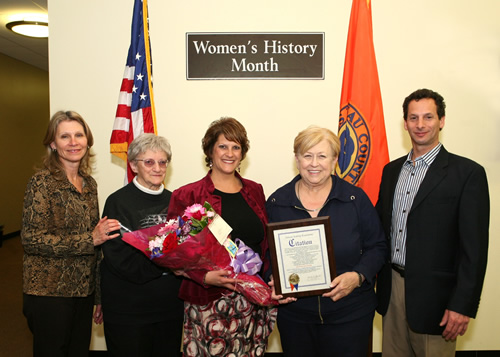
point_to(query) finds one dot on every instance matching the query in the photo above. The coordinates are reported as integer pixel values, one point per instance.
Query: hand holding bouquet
(186, 243)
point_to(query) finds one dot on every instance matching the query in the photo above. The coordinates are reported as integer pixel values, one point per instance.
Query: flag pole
(148, 60)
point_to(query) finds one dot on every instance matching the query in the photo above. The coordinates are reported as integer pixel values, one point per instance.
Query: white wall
(451, 46)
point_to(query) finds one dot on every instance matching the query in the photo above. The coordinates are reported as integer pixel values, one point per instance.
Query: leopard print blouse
(59, 254)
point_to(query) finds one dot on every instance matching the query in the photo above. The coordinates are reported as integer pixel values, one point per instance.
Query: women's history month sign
(255, 55)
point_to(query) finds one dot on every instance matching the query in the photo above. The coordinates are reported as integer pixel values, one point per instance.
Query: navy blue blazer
(447, 240)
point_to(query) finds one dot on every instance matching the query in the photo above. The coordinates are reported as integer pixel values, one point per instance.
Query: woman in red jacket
(219, 321)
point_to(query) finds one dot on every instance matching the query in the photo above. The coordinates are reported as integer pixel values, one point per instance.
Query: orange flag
(363, 151)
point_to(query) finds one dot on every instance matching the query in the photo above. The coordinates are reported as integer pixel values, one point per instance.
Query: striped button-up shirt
(411, 176)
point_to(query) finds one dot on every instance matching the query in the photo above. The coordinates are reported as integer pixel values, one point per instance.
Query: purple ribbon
(246, 260)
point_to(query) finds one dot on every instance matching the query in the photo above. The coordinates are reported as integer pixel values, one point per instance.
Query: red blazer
(193, 290)
(447, 241)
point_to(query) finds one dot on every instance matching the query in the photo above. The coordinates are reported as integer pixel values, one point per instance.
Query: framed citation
(302, 256)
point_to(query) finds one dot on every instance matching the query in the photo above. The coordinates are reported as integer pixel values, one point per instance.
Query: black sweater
(134, 289)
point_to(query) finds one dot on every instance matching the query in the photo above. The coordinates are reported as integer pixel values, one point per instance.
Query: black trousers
(348, 339)
(61, 326)
(144, 340)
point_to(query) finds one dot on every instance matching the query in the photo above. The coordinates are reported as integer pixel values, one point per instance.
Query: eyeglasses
(151, 162)
(319, 157)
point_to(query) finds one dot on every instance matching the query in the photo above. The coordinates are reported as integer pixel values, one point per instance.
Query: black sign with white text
(255, 55)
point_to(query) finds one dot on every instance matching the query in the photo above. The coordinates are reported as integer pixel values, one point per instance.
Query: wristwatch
(360, 276)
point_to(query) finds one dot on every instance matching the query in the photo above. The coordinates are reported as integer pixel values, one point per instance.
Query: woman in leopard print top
(61, 233)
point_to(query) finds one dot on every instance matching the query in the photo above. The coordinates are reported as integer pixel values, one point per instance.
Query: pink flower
(170, 226)
(155, 247)
(195, 211)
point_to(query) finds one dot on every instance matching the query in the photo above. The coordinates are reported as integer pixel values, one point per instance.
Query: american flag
(135, 113)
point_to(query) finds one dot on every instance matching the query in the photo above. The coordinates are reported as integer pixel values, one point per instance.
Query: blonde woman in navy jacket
(339, 322)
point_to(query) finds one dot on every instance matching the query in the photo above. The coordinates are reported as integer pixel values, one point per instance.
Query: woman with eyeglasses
(61, 232)
(142, 314)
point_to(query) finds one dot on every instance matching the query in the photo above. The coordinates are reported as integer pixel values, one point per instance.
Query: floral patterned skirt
(229, 326)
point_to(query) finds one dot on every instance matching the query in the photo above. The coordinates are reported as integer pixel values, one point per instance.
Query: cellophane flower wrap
(186, 243)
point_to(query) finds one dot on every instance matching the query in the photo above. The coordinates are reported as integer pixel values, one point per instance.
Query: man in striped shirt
(434, 207)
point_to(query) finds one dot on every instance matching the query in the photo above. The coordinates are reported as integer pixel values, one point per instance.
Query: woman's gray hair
(148, 141)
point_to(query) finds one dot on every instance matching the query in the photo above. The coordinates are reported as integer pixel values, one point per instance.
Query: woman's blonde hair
(312, 136)
(51, 159)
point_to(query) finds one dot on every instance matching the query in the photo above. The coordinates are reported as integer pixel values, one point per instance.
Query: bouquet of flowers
(186, 243)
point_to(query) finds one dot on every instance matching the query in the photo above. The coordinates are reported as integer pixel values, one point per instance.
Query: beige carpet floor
(15, 337)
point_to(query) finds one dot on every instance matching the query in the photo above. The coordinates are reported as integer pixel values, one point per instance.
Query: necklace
(307, 209)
